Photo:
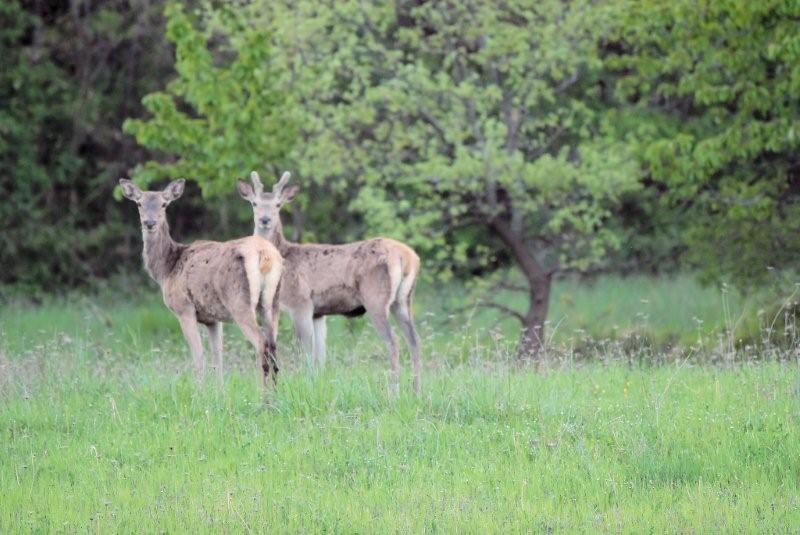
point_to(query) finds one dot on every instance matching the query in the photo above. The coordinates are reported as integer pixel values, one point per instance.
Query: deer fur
(211, 282)
(373, 277)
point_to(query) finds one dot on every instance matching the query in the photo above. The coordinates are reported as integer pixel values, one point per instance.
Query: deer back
(217, 278)
(332, 275)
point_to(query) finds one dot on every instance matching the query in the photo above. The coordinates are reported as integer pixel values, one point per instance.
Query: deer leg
(377, 292)
(269, 330)
(265, 349)
(320, 334)
(192, 334)
(304, 329)
(380, 319)
(402, 313)
(215, 339)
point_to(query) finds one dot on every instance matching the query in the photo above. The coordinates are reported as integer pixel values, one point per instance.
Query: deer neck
(160, 253)
(275, 237)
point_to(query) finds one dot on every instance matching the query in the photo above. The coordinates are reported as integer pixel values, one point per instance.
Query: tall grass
(636, 311)
(488, 448)
(104, 431)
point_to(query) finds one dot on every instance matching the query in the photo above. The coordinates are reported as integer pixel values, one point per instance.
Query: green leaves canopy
(223, 116)
(720, 82)
(449, 116)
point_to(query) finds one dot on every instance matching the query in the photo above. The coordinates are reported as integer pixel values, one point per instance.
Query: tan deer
(375, 277)
(211, 282)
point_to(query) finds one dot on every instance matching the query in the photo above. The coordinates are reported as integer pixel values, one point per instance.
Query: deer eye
(254, 204)
(163, 205)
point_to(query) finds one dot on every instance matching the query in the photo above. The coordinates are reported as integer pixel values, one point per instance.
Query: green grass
(662, 310)
(665, 310)
(103, 430)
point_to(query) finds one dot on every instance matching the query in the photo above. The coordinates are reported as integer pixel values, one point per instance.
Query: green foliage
(68, 75)
(221, 117)
(449, 117)
(720, 82)
(35, 155)
(437, 123)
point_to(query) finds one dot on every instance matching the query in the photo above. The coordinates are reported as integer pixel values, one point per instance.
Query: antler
(277, 188)
(258, 187)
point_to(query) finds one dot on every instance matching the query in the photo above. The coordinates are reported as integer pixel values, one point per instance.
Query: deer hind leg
(215, 340)
(265, 348)
(377, 292)
(401, 309)
(192, 335)
(320, 335)
(270, 313)
(380, 320)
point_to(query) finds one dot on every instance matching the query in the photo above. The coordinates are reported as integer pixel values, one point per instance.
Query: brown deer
(374, 277)
(211, 282)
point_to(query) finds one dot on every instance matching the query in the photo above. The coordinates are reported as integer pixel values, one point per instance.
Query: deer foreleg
(192, 334)
(215, 339)
(320, 335)
(304, 329)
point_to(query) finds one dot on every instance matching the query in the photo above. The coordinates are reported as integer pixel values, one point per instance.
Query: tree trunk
(539, 281)
(531, 342)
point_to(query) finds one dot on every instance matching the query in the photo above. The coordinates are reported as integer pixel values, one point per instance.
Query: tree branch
(502, 308)
(567, 82)
(530, 266)
(491, 304)
(502, 285)
(538, 153)
(437, 126)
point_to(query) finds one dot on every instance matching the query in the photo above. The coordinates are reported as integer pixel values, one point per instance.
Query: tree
(718, 83)
(33, 147)
(69, 73)
(475, 130)
(224, 115)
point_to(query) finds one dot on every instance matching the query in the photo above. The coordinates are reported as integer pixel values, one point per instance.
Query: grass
(668, 310)
(104, 431)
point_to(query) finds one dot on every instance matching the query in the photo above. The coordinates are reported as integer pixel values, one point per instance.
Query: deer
(372, 277)
(211, 282)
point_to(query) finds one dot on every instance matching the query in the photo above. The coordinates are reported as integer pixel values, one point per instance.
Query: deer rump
(334, 276)
(220, 276)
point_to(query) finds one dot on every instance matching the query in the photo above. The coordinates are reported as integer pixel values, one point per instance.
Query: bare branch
(502, 285)
(502, 308)
(437, 126)
(497, 306)
(544, 148)
(568, 82)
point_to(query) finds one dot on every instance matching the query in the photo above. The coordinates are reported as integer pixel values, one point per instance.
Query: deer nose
(264, 220)
(149, 223)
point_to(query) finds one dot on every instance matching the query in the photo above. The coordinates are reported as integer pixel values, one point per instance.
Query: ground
(104, 430)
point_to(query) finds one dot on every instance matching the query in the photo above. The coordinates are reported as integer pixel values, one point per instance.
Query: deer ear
(245, 189)
(174, 190)
(289, 193)
(130, 190)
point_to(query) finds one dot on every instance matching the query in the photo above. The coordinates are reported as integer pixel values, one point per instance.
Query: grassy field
(104, 431)
(659, 310)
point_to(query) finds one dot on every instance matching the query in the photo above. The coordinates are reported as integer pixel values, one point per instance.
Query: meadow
(104, 429)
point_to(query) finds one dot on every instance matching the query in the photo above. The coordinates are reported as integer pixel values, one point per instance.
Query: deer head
(267, 205)
(152, 204)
